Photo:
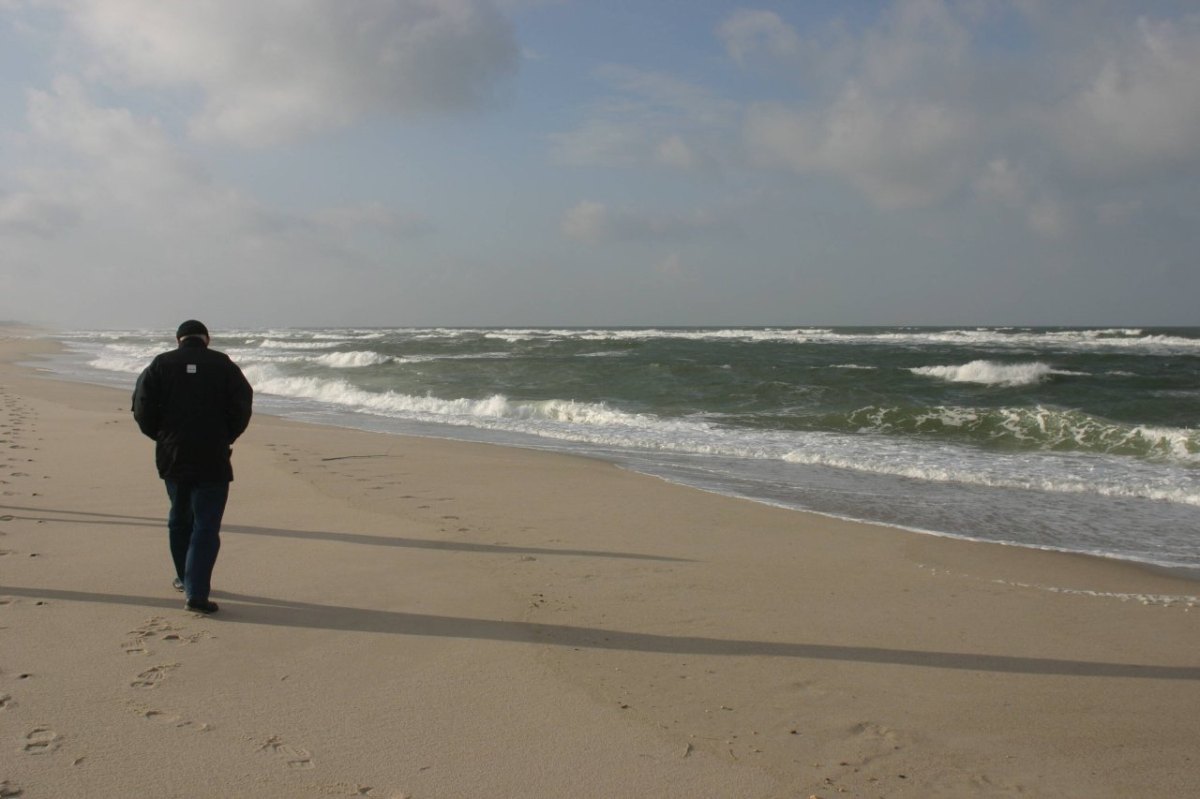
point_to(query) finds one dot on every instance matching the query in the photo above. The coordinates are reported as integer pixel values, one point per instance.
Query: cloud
(103, 198)
(675, 152)
(593, 223)
(1001, 182)
(274, 70)
(373, 217)
(893, 125)
(1013, 188)
(919, 105)
(899, 152)
(918, 42)
(671, 268)
(648, 119)
(1141, 107)
(65, 117)
(587, 222)
(1047, 217)
(104, 162)
(749, 33)
(24, 212)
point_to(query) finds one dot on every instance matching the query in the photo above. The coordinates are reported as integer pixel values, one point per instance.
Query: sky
(599, 163)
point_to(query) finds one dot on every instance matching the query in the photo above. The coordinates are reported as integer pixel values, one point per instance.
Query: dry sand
(404, 617)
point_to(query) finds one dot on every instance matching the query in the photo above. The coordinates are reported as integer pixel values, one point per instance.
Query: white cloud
(674, 151)
(136, 152)
(749, 33)
(1012, 187)
(671, 267)
(603, 140)
(374, 217)
(899, 152)
(895, 124)
(103, 199)
(918, 42)
(24, 212)
(586, 222)
(1047, 217)
(593, 222)
(104, 165)
(650, 119)
(917, 110)
(1001, 182)
(273, 70)
(1141, 107)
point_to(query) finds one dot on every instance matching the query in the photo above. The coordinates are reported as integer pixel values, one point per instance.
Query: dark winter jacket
(194, 402)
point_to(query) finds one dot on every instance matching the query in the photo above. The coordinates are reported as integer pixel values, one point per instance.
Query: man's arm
(241, 399)
(146, 411)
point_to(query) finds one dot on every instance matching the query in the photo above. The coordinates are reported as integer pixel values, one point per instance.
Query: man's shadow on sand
(121, 520)
(251, 609)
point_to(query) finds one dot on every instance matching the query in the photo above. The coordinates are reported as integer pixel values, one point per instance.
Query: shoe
(200, 606)
(177, 584)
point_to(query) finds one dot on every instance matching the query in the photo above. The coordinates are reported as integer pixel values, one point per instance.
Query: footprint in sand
(169, 719)
(151, 677)
(9, 789)
(41, 740)
(165, 631)
(294, 756)
(357, 789)
(6, 701)
(976, 785)
(873, 741)
(153, 626)
(135, 647)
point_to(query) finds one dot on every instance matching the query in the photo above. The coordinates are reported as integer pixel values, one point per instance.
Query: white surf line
(1185, 601)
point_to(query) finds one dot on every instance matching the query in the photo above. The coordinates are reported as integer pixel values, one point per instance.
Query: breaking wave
(1037, 428)
(352, 360)
(990, 373)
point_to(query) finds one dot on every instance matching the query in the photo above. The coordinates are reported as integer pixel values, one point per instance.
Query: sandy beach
(406, 617)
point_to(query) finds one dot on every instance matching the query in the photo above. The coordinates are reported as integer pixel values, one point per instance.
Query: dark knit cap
(191, 328)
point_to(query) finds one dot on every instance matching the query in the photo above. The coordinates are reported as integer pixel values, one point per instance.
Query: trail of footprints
(44, 740)
(18, 428)
(159, 629)
(18, 431)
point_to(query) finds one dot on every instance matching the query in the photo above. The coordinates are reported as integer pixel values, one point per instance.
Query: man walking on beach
(194, 402)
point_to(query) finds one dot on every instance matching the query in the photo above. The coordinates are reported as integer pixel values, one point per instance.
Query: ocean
(1081, 440)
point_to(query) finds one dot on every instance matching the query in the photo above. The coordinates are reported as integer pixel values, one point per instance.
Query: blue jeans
(194, 524)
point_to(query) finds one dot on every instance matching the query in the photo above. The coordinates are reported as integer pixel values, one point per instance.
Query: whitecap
(351, 360)
(990, 373)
